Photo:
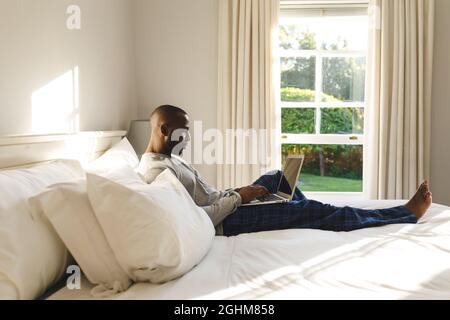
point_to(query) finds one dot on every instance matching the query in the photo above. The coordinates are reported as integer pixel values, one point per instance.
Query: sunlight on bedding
(403, 262)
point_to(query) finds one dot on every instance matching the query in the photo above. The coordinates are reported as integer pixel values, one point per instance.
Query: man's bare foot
(422, 200)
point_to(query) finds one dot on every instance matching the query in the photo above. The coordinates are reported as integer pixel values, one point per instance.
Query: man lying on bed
(224, 207)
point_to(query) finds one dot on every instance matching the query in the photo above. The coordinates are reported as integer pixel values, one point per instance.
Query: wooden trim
(27, 139)
(20, 151)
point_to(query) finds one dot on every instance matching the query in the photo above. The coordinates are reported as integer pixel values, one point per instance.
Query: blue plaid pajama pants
(302, 213)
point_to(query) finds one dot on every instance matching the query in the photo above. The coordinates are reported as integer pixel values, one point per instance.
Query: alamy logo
(74, 280)
(74, 19)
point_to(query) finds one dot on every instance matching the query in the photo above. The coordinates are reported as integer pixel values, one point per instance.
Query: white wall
(36, 49)
(177, 60)
(440, 147)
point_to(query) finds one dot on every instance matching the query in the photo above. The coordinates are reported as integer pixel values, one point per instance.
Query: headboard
(19, 151)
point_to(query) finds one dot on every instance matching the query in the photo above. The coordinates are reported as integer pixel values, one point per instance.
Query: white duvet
(392, 262)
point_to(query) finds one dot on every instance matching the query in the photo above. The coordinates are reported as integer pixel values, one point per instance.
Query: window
(323, 68)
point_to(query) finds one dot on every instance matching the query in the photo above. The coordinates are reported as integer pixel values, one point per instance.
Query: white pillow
(32, 256)
(120, 155)
(156, 231)
(68, 209)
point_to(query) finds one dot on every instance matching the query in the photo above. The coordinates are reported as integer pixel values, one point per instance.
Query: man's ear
(164, 130)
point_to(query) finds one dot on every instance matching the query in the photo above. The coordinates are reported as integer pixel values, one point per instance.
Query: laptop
(286, 185)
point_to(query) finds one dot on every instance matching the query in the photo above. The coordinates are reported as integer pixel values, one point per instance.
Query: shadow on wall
(55, 106)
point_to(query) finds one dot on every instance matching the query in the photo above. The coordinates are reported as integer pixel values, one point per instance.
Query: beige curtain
(247, 90)
(400, 65)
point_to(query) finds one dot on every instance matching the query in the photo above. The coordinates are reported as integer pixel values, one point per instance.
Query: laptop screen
(290, 175)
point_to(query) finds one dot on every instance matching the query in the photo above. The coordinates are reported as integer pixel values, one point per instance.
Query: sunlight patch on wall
(55, 106)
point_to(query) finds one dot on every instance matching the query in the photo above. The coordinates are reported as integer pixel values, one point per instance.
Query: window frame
(318, 105)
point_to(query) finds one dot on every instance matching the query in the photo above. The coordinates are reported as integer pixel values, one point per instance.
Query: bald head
(167, 121)
(166, 113)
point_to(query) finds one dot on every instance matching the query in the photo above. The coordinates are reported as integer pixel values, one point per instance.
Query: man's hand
(250, 193)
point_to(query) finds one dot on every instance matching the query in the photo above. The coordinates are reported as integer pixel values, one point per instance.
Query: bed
(391, 262)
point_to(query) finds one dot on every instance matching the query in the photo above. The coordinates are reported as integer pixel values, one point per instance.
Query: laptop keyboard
(268, 197)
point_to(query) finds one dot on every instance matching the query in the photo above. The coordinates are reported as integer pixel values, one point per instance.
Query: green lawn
(312, 183)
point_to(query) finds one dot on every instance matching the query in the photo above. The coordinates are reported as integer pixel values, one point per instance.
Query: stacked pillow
(68, 209)
(32, 256)
(120, 229)
(156, 231)
(121, 154)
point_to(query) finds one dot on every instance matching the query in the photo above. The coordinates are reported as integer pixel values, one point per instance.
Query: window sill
(332, 197)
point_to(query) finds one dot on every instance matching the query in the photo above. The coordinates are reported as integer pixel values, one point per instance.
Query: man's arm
(222, 208)
(225, 206)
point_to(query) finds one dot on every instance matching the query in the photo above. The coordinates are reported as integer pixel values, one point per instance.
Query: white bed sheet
(391, 262)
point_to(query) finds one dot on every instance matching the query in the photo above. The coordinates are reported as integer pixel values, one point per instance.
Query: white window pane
(299, 35)
(342, 121)
(298, 121)
(298, 77)
(329, 168)
(344, 79)
(325, 33)
(344, 33)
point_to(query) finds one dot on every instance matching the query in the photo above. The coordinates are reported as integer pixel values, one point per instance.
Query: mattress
(391, 262)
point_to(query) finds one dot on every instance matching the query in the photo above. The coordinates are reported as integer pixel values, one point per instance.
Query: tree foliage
(334, 120)
(343, 161)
